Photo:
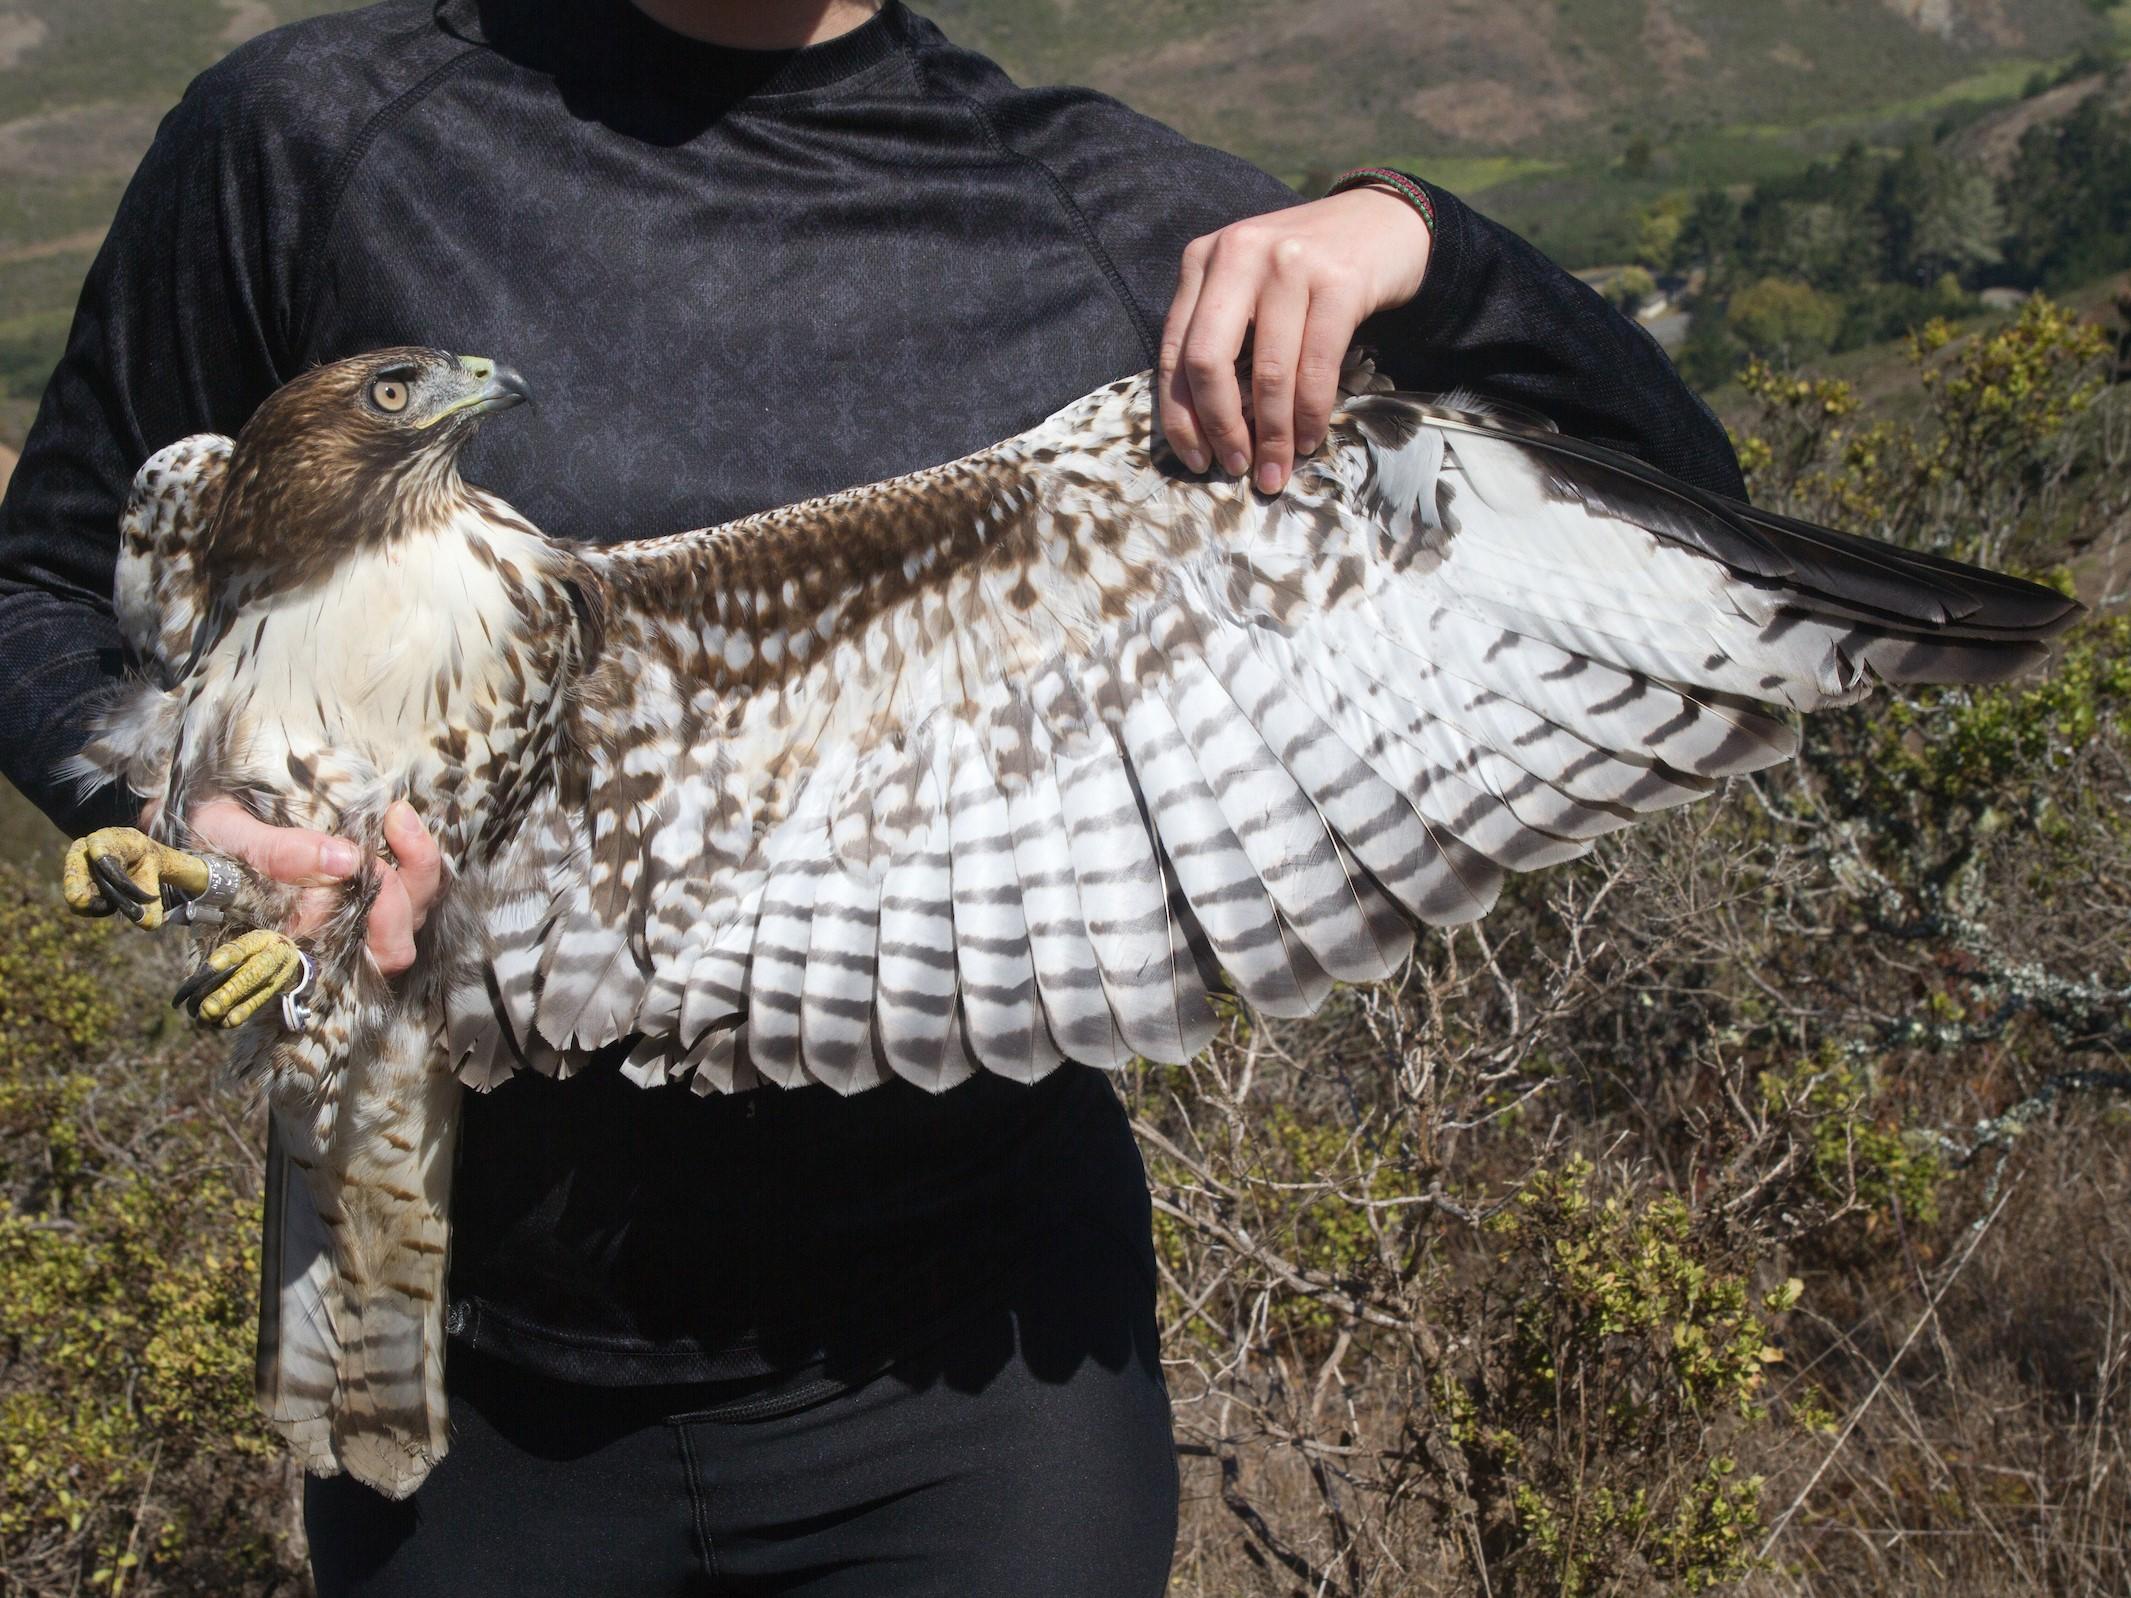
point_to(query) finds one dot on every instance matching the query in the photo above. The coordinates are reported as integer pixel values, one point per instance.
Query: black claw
(198, 986)
(117, 886)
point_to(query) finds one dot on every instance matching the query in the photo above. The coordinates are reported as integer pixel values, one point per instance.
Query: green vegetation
(1631, 1311)
(1865, 247)
(131, 1455)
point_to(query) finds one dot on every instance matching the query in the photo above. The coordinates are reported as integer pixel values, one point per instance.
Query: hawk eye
(389, 395)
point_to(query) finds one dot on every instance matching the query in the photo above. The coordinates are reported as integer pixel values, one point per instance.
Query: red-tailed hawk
(1012, 761)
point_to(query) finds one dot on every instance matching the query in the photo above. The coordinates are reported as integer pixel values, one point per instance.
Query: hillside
(1540, 105)
(1296, 85)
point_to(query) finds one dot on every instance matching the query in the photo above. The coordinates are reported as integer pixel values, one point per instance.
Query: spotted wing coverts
(1019, 759)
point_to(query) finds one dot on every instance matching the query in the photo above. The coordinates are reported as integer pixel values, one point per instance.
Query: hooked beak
(500, 388)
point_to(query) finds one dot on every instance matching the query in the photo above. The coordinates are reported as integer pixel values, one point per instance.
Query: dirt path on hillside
(66, 244)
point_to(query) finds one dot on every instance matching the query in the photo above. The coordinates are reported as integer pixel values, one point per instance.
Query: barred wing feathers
(1020, 759)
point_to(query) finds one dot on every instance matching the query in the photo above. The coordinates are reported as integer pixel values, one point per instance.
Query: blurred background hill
(1569, 119)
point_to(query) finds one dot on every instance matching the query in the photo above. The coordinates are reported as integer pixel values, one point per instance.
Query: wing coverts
(1020, 759)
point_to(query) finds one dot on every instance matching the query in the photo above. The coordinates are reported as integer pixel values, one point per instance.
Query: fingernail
(1270, 478)
(340, 857)
(1307, 447)
(1237, 463)
(1196, 459)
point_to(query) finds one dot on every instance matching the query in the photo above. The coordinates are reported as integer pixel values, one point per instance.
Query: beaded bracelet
(1397, 182)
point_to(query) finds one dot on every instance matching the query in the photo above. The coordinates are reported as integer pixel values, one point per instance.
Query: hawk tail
(351, 1337)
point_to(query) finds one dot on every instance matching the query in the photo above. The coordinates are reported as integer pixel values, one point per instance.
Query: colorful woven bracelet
(1397, 182)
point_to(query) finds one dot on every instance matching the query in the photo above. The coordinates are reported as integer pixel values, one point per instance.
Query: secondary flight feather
(1014, 761)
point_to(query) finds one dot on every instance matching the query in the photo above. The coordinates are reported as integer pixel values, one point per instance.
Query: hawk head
(353, 453)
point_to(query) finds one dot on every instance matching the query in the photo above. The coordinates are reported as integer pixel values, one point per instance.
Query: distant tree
(2120, 370)
(2067, 199)
(1959, 227)
(1709, 233)
(1784, 317)
(1902, 196)
(1657, 231)
(1826, 243)
(1631, 289)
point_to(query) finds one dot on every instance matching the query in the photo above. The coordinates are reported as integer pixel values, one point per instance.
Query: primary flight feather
(1009, 762)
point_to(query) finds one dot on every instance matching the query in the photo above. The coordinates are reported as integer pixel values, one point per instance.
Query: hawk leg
(123, 870)
(240, 976)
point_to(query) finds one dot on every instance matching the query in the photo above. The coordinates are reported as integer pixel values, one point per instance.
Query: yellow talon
(241, 976)
(123, 869)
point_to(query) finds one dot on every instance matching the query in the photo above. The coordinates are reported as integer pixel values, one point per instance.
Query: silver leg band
(294, 1017)
(205, 907)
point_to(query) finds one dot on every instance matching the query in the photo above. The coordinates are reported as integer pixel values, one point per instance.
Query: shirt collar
(611, 41)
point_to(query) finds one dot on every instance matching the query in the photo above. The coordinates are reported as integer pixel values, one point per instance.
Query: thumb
(294, 855)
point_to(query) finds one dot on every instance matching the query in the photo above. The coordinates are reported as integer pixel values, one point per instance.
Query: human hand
(319, 863)
(1300, 281)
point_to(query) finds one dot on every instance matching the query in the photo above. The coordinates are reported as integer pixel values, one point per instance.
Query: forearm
(1494, 316)
(59, 659)
(171, 337)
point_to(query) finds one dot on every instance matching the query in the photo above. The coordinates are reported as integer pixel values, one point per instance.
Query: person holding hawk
(746, 254)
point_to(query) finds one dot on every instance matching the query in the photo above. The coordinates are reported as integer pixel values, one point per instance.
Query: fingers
(1207, 359)
(390, 935)
(1335, 315)
(1299, 283)
(1276, 349)
(294, 855)
(321, 864)
(414, 852)
(1300, 308)
(407, 887)
(1179, 425)
(314, 908)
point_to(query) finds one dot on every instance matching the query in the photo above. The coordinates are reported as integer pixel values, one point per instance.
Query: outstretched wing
(1018, 759)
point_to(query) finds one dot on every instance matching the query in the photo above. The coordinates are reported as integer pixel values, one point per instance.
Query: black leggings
(1027, 1455)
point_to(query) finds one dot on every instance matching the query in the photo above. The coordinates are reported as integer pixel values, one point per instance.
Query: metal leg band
(204, 907)
(294, 1016)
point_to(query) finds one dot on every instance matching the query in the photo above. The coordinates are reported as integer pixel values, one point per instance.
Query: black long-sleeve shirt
(734, 279)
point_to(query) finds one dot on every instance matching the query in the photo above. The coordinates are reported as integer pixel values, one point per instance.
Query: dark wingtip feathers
(1927, 602)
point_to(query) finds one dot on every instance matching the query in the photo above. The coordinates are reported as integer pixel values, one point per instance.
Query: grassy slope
(81, 91)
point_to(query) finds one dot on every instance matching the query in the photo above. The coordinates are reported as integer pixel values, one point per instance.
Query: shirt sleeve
(1493, 315)
(176, 332)
(1496, 317)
